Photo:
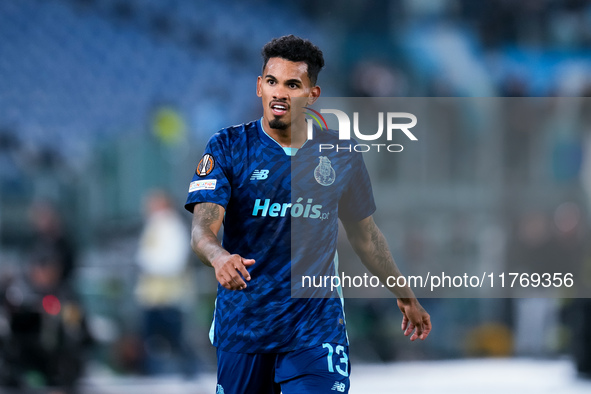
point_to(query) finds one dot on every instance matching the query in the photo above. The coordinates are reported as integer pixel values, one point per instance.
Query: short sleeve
(357, 202)
(211, 180)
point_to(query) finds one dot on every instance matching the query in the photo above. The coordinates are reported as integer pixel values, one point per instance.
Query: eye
(271, 82)
(293, 86)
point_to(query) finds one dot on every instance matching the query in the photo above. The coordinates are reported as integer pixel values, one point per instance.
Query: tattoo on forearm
(375, 254)
(203, 240)
(378, 257)
(381, 250)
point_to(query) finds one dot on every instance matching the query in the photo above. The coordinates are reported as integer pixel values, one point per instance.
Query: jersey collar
(267, 139)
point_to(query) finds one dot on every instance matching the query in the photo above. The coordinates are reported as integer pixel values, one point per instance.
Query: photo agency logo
(395, 122)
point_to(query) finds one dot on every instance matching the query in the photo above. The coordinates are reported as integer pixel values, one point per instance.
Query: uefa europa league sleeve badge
(324, 173)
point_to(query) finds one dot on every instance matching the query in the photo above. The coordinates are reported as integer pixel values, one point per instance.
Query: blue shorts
(320, 369)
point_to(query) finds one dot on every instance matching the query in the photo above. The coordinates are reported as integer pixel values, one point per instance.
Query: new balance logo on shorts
(259, 175)
(338, 386)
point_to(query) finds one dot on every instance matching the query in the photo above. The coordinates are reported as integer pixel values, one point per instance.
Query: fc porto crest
(324, 173)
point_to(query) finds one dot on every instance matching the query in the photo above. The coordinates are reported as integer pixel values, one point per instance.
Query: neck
(291, 137)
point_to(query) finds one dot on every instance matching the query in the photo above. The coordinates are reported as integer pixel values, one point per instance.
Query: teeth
(279, 107)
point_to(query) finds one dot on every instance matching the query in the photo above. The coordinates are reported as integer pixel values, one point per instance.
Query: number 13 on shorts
(337, 359)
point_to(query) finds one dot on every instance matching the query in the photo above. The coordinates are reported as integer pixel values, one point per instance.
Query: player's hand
(230, 271)
(414, 318)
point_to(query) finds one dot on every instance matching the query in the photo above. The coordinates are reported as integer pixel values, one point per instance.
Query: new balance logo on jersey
(259, 175)
(338, 386)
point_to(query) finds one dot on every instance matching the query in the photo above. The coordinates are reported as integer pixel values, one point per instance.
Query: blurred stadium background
(104, 100)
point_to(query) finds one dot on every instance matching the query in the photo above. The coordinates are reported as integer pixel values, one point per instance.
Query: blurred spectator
(47, 336)
(162, 285)
(52, 253)
(374, 79)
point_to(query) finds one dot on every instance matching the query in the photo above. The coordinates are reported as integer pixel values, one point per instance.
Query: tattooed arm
(230, 269)
(370, 245)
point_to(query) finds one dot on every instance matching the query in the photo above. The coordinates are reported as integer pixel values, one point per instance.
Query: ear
(314, 94)
(260, 86)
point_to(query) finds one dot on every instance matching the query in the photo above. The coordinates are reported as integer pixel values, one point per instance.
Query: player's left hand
(414, 318)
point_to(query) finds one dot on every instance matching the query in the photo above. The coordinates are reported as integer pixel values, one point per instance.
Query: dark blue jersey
(281, 210)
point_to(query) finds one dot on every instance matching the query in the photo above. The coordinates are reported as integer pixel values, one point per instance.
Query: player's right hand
(230, 271)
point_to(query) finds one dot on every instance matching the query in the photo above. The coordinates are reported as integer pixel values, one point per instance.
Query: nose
(280, 92)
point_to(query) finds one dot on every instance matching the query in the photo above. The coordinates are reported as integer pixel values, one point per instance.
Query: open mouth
(279, 109)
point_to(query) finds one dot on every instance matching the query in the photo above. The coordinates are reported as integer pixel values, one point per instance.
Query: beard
(278, 124)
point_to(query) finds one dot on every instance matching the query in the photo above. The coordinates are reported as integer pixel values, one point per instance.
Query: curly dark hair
(295, 49)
